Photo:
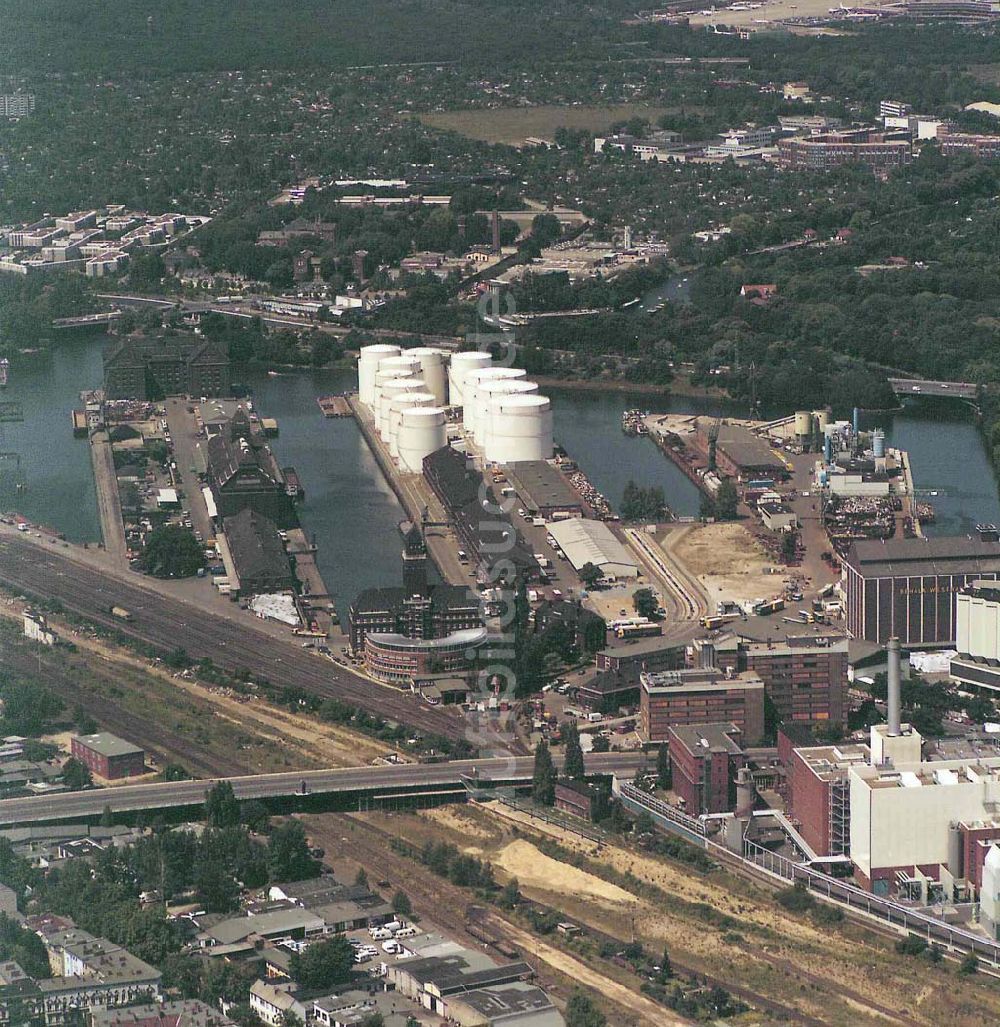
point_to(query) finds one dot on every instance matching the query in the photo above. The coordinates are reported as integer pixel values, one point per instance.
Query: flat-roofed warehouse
(593, 542)
(742, 454)
(908, 587)
(542, 488)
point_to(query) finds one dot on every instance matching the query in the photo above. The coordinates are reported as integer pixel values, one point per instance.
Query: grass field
(512, 125)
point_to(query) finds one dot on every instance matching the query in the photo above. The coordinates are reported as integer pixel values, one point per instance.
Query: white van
(406, 932)
(392, 947)
(378, 933)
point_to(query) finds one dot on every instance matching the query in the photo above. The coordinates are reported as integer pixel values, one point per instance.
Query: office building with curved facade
(395, 659)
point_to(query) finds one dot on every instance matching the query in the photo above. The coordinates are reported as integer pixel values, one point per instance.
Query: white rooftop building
(585, 541)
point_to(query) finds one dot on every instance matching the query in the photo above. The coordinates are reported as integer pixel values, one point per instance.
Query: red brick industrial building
(805, 678)
(108, 756)
(704, 759)
(701, 696)
(819, 795)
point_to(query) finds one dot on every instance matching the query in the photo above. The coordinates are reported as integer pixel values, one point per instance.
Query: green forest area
(141, 104)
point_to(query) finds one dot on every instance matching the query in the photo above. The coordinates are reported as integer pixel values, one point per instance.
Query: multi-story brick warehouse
(702, 696)
(704, 759)
(108, 756)
(150, 368)
(907, 587)
(833, 149)
(805, 677)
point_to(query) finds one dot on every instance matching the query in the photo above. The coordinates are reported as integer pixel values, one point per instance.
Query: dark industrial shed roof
(910, 557)
(541, 487)
(257, 551)
(745, 449)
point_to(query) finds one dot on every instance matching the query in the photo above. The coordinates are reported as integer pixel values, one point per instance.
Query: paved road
(386, 778)
(234, 643)
(245, 310)
(108, 501)
(184, 438)
(922, 387)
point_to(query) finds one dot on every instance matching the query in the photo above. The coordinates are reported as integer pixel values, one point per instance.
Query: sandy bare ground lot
(648, 1012)
(838, 975)
(513, 125)
(534, 869)
(728, 563)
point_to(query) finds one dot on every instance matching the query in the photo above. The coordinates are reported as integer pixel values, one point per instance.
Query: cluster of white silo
(502, 411)
(407, 391)
(393, 383)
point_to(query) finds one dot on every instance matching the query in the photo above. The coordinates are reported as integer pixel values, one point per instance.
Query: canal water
(349, 507)
(55, 469)
(353, 513)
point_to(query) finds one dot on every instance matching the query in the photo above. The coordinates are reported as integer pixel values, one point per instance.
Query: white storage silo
(405, 401)
(821, 420)
(390, 390)
(402, 362)
(520, 429)
(460, 365)
(368, 362)
(422, 431)
(471, 384)
(432, 369)
(382, 376)
(486, 392)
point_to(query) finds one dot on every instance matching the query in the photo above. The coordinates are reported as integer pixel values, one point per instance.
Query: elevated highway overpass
(364, 783)
(904, 387)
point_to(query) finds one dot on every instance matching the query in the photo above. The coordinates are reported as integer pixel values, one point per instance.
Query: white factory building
(585, 541)
(977, 635)
(915, 825)
(413, 396)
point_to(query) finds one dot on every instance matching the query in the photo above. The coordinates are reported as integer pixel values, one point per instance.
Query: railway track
(443, 902)
(689, 605)
(168, 623)
(166, 745)
(436, 898)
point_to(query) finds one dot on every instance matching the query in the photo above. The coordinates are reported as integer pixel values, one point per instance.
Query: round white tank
(392, 389)
(486, 392)
(422, 431)
(389, 374)
(521, 429)
(403, 362)
(471, 384)
(461, 364)
(368, 362)
(432, 368)
(803, 423)
(404, 401)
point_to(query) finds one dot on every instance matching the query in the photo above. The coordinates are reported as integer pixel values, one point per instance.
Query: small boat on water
(4, 372)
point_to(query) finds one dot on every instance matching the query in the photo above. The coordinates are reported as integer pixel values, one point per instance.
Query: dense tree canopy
(172, 552)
